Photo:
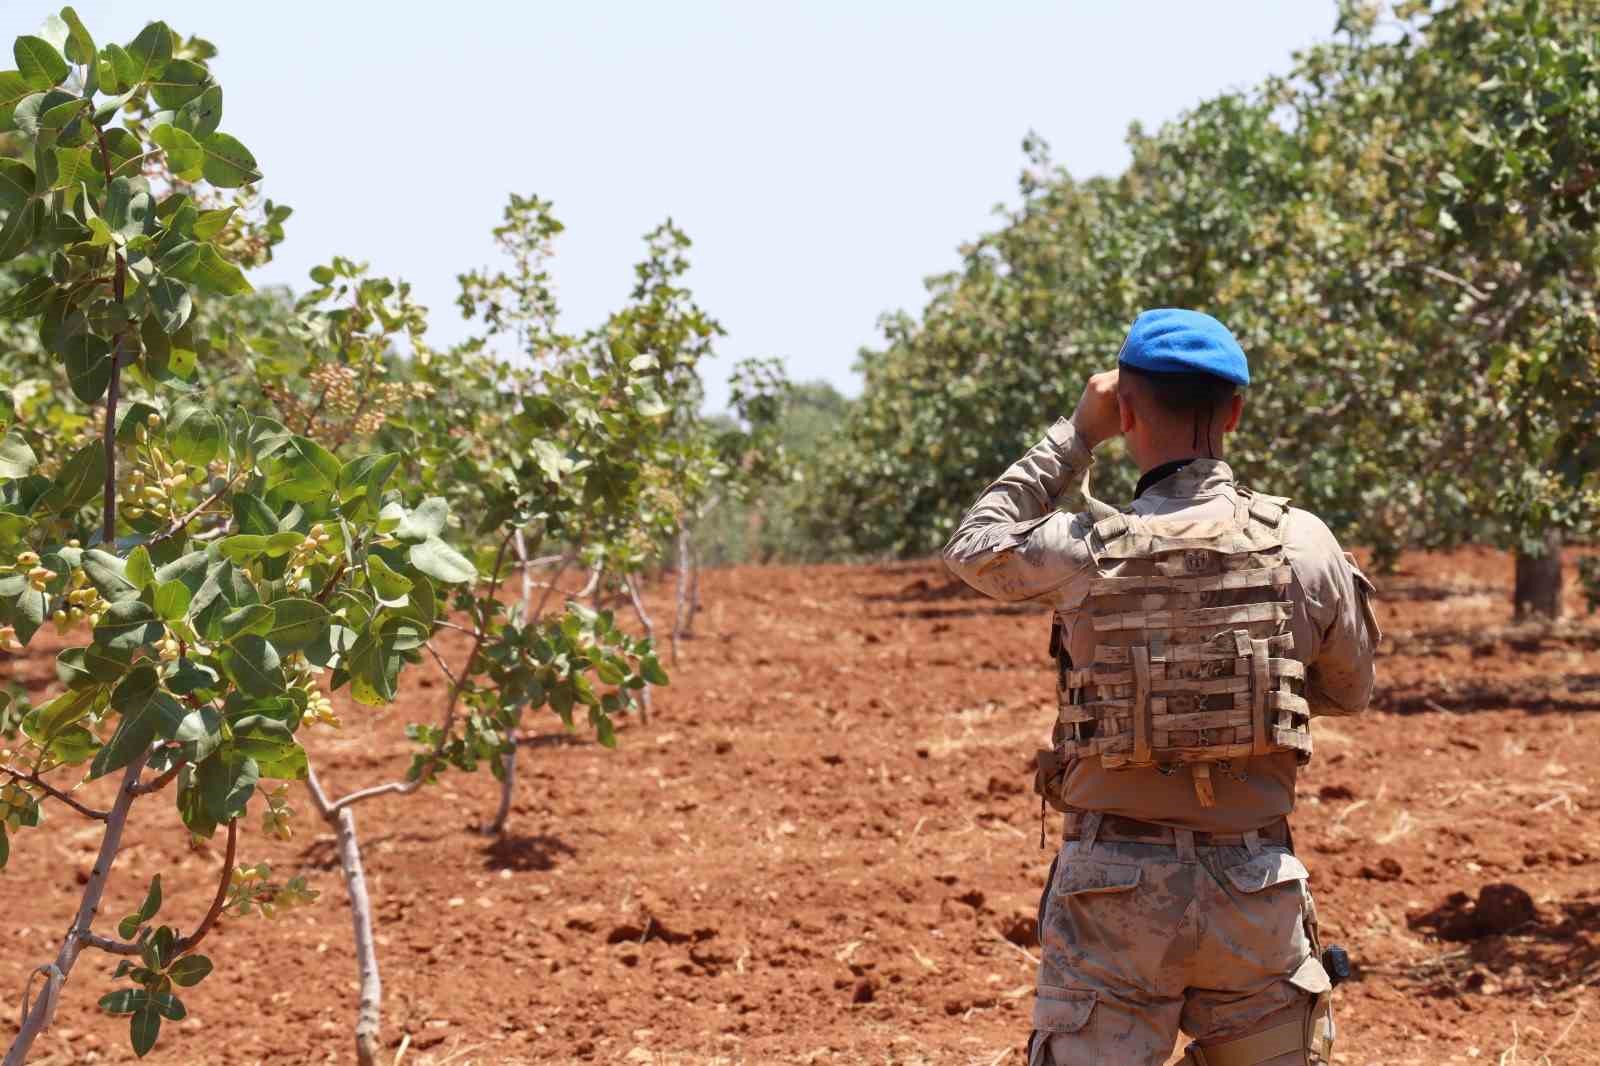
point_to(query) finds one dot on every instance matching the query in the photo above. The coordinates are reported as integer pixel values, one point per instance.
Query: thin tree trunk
(38, 1019)
(520, 545)
(695, 566)
(629, 583)
(508, 781)
(370, 1005)
(1538, 581)
(682, 590)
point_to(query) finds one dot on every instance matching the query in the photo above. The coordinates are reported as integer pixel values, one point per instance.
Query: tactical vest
(1191, 662)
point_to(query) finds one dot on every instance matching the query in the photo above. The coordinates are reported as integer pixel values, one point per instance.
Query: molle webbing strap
(1202, 784)
(1194, 617)
(1141, 703)
(1168, 677)
(1259, 683)
(1223, 646)
(1228, 581)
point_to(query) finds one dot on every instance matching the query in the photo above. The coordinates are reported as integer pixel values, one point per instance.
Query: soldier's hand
(1099, 415)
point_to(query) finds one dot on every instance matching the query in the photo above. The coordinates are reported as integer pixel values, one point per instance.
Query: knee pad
(1309, 1034)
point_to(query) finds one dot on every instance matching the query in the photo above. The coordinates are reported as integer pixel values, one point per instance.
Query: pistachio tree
(1401, 230)
(215, 563)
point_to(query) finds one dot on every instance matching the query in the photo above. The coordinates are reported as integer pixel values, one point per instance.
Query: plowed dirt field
(824, 849)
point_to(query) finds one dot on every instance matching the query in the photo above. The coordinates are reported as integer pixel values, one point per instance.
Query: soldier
(1195, 633)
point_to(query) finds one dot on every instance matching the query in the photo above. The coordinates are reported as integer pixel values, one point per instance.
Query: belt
(1116, 828)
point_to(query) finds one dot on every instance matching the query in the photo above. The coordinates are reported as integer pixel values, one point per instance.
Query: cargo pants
(1139, 941)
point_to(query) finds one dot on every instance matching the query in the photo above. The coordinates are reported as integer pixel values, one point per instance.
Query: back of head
(1181, 372)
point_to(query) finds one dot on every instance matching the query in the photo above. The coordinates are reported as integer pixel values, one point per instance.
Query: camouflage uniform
(1164, 913)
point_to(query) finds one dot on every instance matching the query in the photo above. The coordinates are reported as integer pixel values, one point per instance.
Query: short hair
(1184, 393)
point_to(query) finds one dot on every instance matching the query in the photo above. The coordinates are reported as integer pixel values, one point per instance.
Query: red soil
(824, 850)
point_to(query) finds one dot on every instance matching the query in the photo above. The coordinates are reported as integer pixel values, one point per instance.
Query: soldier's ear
(1125, 415)
(1235, 411)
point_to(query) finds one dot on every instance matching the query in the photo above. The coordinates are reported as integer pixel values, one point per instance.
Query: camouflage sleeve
(1013, 544)
(1337, 635)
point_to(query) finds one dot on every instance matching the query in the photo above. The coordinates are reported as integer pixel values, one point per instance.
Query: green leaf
(172, 600)
(203, 266)
(26, 301)
(16, 458)
(144, 1026)
(271, 744)
(109, 575)
(228, 164)
(390, 587)
(203, 114)
(251, 515)
(251, 618)
(183, 152)
(14, 88)
(182, 81)
(226, 781)
(124, 1000)
(20, 230)
(170, 1006)
(366, 476)
(196, 435)
(160, 715)
(651, 669)
(189, 970)
(211, 223)
(427, 521)
(80, 46)
(89, 369)
(151, 50)
(373, 671)
(40, 65)
(138, 571)
(128, 625)
(304, 471)
(296, 624)
(71, 707)
(73, 745)
(74, 166)
(441, 562)
(128, 206)
(241, 548)
(172, 303)
(152, 901)
(200, 733)
(254, 665)
(79, 481)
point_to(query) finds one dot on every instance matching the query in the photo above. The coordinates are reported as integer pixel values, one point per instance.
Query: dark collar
(1159, 473)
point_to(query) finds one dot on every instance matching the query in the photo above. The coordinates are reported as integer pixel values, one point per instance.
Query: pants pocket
(1056, 1011)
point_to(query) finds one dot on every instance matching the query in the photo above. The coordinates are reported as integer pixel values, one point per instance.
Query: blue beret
(1172, 340)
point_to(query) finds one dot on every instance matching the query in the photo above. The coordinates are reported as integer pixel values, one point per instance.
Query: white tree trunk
(508, 782)
(38, 1018)
(678, 619)
(370, 1004)
(631, 584)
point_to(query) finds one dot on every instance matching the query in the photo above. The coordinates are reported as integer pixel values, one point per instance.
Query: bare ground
(824, 850)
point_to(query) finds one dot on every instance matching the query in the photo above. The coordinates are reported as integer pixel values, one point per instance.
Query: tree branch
(55, 793)
(43, 1010)
(178, 524)
(187, 944)
(156, 784)
(442, 664)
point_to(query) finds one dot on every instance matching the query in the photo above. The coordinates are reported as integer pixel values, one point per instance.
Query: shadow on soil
(1556, 949)
(526, 853)
(1580, 693)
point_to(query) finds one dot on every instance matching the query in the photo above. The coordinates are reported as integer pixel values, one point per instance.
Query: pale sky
(825, 157)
